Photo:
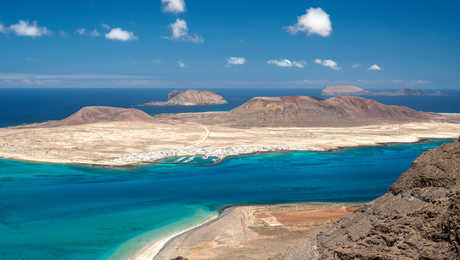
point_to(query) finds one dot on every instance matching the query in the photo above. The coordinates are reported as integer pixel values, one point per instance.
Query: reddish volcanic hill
(190, 97)
(310, 111)
(98, 114)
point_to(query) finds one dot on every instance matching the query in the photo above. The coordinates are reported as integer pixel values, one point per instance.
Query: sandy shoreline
(151, 251)
(167, 247)
(121, 144)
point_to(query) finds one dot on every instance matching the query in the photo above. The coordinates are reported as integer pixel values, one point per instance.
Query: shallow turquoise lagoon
(72, 212)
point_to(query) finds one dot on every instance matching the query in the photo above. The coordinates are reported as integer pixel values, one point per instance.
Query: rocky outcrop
(418, 218)
(357, 91)
(310, 111)
(99, 114)
(190, 97)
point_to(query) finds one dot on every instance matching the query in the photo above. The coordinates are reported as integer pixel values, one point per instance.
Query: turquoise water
(72, 212)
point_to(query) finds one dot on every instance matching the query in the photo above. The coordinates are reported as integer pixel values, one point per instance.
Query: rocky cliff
(418, 218)
(190, 97)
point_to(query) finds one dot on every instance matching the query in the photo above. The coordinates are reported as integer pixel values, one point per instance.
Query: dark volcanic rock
(190, 97)
(418, 218)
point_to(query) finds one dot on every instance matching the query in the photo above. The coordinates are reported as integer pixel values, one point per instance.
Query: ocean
(51, 211)
(22, 106)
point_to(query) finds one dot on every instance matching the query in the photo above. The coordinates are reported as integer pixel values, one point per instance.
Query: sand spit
(252, 232)
(152, 250)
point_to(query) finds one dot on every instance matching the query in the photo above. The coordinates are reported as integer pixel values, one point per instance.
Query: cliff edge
(418, 218)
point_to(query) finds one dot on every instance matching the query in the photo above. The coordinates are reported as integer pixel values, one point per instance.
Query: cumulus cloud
(2, 28)
(180, 31)
(328, 63)
(287, 63)
(181, 64)
(236, 61)
(355, 66)
(24, 28)
(118, 34)
(314, 21)
(173, 6)
(375, 67)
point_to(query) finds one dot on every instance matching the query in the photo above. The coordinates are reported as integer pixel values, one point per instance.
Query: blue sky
(239, 43)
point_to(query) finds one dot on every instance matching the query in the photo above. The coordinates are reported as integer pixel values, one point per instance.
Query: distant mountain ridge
(190, 97)
(285, 111)
(304, 111)
(311, 111)
(357, 91)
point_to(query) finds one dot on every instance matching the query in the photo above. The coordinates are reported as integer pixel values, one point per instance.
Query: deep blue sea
(50, 211)
(20, 106)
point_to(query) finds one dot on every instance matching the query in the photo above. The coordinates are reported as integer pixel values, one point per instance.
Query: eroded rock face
(190, 97)
(418, 218)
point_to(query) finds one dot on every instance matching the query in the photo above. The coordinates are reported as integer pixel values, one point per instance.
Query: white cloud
(355, 66)
(24, 28)
(2, 28)
(314, 21)
(287, 63)
(180, 31)
(181, 64)
(328, 63)
(119, 34)
(105, 26)
(236, 61)
(173, 6)
(375, 67)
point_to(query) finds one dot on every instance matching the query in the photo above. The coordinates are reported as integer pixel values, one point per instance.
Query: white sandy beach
(150, 251)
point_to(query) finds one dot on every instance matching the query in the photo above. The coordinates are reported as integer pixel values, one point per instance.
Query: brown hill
(98, 114)
(310, 111)
(190, 97)
(418, 218)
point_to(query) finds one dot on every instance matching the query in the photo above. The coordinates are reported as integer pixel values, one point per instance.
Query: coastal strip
(150, 251)
(239, 228)
(121, 144)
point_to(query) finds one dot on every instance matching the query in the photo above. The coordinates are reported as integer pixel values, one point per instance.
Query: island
(190, 97)
(120, 137)
(357, 91)
(418, 218)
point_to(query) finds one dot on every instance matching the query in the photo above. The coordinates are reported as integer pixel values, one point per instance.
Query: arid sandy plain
(132, 143)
